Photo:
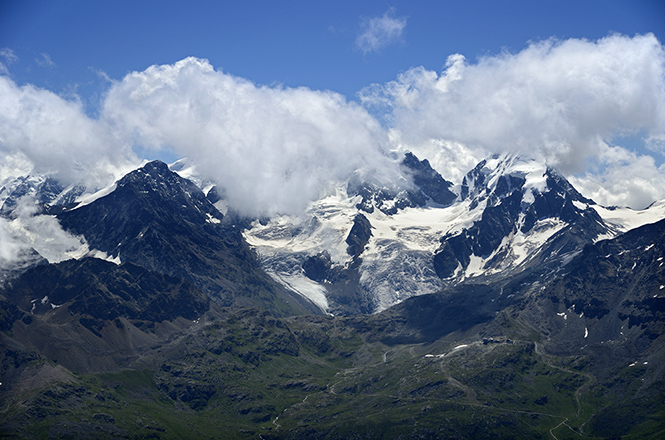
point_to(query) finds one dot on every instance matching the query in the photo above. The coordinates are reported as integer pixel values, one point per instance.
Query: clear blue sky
(294, 43)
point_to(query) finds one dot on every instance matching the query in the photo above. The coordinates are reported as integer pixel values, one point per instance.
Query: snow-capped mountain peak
(365, 246)
(523, 207)
(512, 212)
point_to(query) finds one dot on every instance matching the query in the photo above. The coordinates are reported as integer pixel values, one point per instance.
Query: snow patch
(211, 219)
(95, 253)
(625, 219)
(579, 205)
(303, 286)
(87, 199)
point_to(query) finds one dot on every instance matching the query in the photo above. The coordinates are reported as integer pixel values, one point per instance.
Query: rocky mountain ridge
(535, 324)
(511, 213)
(359, 250)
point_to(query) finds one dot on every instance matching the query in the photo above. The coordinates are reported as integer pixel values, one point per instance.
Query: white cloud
(7, 58)
(622, 178)
(10, 246)
(44, 60)
(560, 101)
(42, 233)
(273, 149)
(379, 32)
(57, 137)
(451, 159)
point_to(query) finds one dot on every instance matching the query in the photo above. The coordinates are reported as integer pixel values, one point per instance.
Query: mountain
(511, 214)
(47, 194)
(93, 315)
(578, 354)
(529, 214)
(613, 293)
(163, 222)
(510, 306)
(425, 186)
(361, 249)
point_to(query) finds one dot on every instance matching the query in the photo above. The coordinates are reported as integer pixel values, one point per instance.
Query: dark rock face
(160, 221)
(426, 318)
(624, 275)
(510, 211)
(91, 315)
(609, 299)
(427, 185)
(358, 236)
(27, 258)
(481, 239)
(9, 314)
(317, 267)
(386, 200)
(214, 195)
(428, 180)
(342, 282)
(475, 178)
(101, 290)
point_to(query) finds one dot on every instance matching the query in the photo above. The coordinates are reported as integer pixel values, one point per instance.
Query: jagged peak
(500, 175)
(428, 180)
(156, 176)
(419, 186)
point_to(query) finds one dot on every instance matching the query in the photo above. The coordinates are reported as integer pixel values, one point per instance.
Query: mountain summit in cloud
(518, 280)
(274, 149)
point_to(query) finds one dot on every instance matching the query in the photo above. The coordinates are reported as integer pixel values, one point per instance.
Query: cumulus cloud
(379, 32)
(57, 137)
(10, 246)
(451, 159)
(620, 177)
(560, 101)
(273, 149)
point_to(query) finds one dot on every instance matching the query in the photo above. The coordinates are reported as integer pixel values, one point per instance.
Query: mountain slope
(157, 219)
(570, 348)
(529, 214)
(512, 213)
(87, 316)
(46, 192)
(505, 360)
(613, 294)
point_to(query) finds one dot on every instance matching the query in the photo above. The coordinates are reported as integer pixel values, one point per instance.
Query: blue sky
(62, 45)
(579, 84)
